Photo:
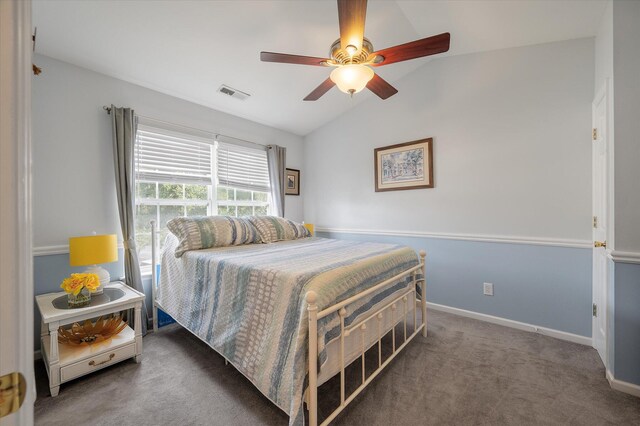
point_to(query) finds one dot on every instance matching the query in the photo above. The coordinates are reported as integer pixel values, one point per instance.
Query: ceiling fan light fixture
(351, 78)
(353, 55)
(351, 49)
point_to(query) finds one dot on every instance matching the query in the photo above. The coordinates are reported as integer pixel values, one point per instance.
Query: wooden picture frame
(403, 166)
(292, 182)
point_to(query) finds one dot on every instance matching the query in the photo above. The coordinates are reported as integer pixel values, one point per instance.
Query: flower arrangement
(76, 282)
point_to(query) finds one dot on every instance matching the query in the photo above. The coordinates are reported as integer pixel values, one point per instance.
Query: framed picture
(292, 184)
(404, 166)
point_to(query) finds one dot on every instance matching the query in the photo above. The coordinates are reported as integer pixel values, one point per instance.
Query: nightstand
(66, 362)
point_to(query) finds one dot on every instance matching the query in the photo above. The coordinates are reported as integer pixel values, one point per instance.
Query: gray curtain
(124, 123)
(277, 160)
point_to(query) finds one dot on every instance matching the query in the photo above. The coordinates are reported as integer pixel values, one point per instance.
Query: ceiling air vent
(234, 93)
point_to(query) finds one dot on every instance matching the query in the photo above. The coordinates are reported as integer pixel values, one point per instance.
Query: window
(243, 181)
(176, 175)
(240, 202)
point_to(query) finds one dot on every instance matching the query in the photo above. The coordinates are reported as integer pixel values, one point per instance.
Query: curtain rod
(108, 109)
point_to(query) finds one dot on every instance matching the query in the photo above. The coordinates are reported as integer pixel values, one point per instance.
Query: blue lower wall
(50, 270)
(626, 323)
(540, 285)
(611, 309)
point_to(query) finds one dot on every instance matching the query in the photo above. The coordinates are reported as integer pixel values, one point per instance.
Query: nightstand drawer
(97, 362)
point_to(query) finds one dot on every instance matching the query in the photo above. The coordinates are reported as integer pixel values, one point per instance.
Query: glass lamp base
(103, 276)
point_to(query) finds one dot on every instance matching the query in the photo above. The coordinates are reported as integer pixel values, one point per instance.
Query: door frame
(606, 90)
(16, 261)
(605, 93)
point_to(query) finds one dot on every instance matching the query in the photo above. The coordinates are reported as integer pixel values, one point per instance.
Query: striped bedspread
(248, 302)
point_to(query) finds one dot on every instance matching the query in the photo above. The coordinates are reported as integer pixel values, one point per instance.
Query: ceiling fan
(352, 55)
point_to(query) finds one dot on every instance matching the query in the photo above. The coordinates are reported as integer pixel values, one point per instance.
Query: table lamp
(309, 226)
(91, 251)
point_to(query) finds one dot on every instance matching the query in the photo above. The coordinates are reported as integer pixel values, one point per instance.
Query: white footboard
(154, 272)
(400, 307)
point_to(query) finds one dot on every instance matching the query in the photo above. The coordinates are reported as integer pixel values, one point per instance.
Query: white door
(17, 383)
(600, 221)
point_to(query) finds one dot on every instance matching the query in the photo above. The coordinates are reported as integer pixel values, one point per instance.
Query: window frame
(212, 203)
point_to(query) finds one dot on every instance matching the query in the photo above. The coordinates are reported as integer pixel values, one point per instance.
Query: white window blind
(242, 167)
(167, 155)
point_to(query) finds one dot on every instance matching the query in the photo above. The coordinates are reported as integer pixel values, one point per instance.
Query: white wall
(626, 71)
(74, 187)
(604, 49)
(512, 150)
(617, 58)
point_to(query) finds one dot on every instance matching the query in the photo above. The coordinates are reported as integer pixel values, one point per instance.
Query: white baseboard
(563, 335)
(621, 386)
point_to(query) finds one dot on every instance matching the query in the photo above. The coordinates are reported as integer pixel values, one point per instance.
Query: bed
(289, 315)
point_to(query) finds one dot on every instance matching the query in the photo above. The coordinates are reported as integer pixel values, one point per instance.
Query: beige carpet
(466, 372)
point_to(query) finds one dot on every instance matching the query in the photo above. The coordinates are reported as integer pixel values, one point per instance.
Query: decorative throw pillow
(200, 232)
(273, 228)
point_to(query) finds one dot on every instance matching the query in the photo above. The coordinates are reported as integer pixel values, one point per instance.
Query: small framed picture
(404, 166)
(292, 184)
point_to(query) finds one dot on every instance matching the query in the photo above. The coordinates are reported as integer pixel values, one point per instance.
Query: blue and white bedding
(248, 302)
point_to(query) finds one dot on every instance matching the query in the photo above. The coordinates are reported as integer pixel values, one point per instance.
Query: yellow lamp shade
(93, 250)
(309, 226)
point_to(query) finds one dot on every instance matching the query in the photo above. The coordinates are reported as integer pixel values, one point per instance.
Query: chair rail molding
(57, 249)
(507, 239)
(624, 256)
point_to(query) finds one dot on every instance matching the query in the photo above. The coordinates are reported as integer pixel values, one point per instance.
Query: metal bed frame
(407, 301)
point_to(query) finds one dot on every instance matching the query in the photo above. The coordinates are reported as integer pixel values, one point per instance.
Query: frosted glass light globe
(351, 78)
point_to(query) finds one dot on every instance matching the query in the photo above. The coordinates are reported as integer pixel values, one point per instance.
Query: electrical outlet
(488, 289)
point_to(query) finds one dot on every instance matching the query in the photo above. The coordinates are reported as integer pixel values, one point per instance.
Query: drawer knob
(93, 363)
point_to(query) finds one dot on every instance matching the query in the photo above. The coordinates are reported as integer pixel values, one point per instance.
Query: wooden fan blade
(380, 87)
(292, 59)
(415, 49)
(351, 17)
(320, 90)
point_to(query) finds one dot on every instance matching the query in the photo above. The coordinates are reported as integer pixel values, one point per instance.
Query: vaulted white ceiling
(189, 48)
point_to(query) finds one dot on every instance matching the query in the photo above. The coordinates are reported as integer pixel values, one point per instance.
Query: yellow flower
(91, 282)
(76, 282)
(72, 285)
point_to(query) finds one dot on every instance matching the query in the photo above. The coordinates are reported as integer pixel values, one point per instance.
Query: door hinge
(595, 221)
(12, 391)
(594, 134)
(595, 310)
